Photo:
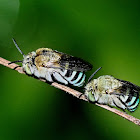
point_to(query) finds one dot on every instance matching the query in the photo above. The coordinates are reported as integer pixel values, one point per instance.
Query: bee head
(90, 90)
(91, 87)
(28, 62)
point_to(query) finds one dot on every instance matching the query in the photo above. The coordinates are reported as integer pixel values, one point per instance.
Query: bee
(113, 92)
(54, 66)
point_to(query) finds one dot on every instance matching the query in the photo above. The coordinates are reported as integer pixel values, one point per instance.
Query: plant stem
(73, 92)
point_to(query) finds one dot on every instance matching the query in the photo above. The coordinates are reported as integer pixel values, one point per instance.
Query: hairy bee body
(56, 66)
(114, 92)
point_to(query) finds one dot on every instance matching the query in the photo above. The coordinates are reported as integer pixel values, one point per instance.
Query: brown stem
(73, 92)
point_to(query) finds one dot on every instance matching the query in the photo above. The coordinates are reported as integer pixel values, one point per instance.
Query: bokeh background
(105, 33)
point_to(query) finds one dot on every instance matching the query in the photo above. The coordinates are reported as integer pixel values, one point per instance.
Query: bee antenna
(93, 74)
(18, 47)
(15, 62)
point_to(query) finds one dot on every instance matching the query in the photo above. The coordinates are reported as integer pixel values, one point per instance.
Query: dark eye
(92, 91)
(44, 51)
(96, 87)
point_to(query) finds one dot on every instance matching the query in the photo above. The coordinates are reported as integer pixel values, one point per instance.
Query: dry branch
(73, 92)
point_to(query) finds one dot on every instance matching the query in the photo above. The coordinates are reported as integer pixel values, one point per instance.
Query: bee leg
(14, 62)
(92, 102)
(120, 107)
(123, 110)
(48, 82)
(82, 94)
(16, 67)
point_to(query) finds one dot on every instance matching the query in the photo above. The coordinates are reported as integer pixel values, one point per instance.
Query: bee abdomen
(75, 78)
(134, 106)
(58, 77)
(131, 102)
(66, 77)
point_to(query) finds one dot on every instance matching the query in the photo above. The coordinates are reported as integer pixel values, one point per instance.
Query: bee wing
(65, 61)
(74, 63)
(53, 65)
(128, 94)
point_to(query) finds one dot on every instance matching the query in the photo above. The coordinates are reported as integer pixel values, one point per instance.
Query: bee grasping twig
(73, 92)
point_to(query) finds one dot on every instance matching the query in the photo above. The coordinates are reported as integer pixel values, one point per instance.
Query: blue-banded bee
(54, 66)
(114, 92)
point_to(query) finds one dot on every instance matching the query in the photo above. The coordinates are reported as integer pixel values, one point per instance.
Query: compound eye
(91, 96)
(27, 69)
(27, 58)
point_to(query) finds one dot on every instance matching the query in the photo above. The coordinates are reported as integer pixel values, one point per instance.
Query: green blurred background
(105, 33)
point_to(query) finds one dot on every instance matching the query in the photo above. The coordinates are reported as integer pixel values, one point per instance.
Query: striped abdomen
(130, 102)
(123, 102)
(75, 78)
(66, 77)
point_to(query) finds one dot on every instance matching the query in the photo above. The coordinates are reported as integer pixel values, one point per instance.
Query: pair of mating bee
(69, 70)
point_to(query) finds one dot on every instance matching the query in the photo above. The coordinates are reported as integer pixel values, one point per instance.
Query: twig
(73, 92)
